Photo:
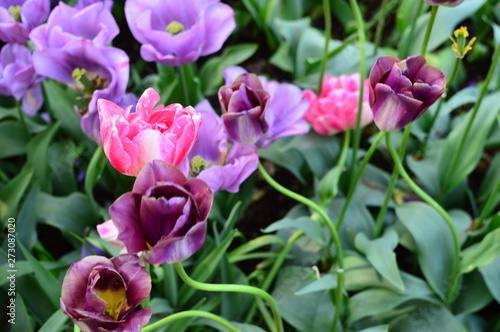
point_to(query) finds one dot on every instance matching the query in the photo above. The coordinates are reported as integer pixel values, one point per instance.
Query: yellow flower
(460, 46)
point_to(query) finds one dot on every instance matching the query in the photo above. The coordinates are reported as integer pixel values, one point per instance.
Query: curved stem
(362, 77)
(352, 186)
(275, 268)
(328, 33)
(487, 206)
(233, 288)
(429, 200)
(392, 184)
(333, 231)
(380, 26)
(428, 31)
(187, 314)
(484, 90)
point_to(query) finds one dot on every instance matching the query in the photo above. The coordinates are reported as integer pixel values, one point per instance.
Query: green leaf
(491, 179)
(55, 323)
(326, 282)
(23, 268)
(380, 253)
(380, 328)
(282, 58)
(328, 186)
(12, 193)
(211, 72)
(49, 284)
(280, 153)
(22, 319)
(26, 228)
(254, 244)
(13, 139)
(490, 274)
(310, 227)
(474, 294)
(61, 156)
(484, 253)
(94, 170)
(433, 241)
(37, 155)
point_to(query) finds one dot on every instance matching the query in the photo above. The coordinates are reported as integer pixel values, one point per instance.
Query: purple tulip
(401, 91)
(108, 4)
(18, 77)
(164, 213)
(447, 3)
(209, 159)
(283, 114)
(101, 294)
(177, 32)
(19, 17)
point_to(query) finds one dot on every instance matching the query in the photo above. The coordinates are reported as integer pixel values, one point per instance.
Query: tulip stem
(274, 269)
(392, 184)
(328, 33)
(353, 183)
(429, 200)
(484, 90)
(362, 77)
(183, 84)
(428, 31)
(380, 26)
(187, 314)
(233, 288)
(333, 231)
(487, 206)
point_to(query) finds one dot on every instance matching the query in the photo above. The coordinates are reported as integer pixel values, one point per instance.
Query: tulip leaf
(484, 253)
(12, 193)
(254, 244)
(22, 319)
(13, 139)
(211, 72)
(55, 323)
(380, 328)
(28, 218)
(23, 268)
(326, 282)
(473, 295)
(490, 274)
(307, 225)
(282, 58)
(94, 170)
(490, 180)
(433, 241)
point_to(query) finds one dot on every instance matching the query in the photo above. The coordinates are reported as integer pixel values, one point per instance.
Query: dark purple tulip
(447, 3)
(284, 112)
(243, 106)
(401, 91)
(164, 213)
(19, 17)
(209, 159)
(176, 32)
(18, 77)
(101, 294)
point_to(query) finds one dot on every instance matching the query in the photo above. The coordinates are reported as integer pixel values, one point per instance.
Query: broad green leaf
(12, 193)
(55, 323)
(380, 328)
(473, 295)
(13, 139)
(61, 156)
(328, 186)
(94, 170)
(211, 72)
(291, 32)
(306, 224)
(22, 267)
(37, 155)
(372, 186)
(490, 274)
(27, 221)
(326, 282)
(380, 253)
(433, 241)
(254, 244)
(22, 318)
(490, 181)
(282, 58)
(484, 253)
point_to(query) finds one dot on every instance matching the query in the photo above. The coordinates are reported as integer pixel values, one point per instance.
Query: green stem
(328, 33)
(380, 26)
(187, 314)
(333, 231)
(488, 206)
(274, 269)
(484, 90)
(353, 183)
(406, 43)
(429, 200)
(21, 116)
(233, 288)
(428, 31)
(170, 287)
(183, 83)
(392, 184)
(362, 77)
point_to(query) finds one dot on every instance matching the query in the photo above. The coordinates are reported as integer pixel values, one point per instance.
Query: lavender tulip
(284, 113)
(447, 3)
(101, 294)
(401, 91)
(108, 4)
(19, 17)
(209, 159)
(177, 32)
(18, 77)
(164, 213)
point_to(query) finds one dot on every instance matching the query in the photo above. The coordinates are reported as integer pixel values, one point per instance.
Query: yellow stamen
(460, 46)
(16, 13)
(175, 27)
(198, 164)
(115, 296)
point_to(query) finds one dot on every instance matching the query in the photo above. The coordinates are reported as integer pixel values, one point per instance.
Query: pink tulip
(336, 109)
(131, 140)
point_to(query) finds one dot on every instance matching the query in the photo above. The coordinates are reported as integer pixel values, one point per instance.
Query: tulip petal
(202, 196)
(154, 172)
(136, 277)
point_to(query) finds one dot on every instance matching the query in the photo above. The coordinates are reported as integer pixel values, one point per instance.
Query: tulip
(283, 114)
(212, 161)
(19, 17)
(243, 106)
(131, 140)
(108, 232)
(447, 3)
(336, 108)
(101, 294)
(177, 32)
(164, 213)
(18, 77)
(401, 91)
(108, 4)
